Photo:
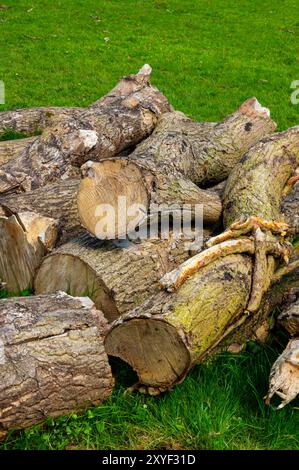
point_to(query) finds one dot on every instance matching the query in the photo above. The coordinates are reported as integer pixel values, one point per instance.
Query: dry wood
(176, 330)
(117, 275)
(57, 201)
(284, 376)
(167, 167)
(119, 120)
(52, 358)
(24, 239)
(32, 120)
(9, 149)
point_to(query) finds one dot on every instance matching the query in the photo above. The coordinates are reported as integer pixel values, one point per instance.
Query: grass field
(207, 57)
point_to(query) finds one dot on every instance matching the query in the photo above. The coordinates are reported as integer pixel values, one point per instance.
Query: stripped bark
(169, 333)
(119, 120)
(24, 239)
(168, 167)
(53, 360)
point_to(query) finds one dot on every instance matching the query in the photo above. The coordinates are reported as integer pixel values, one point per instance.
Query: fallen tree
(52, 358)
(214, 293)
(170, 165)
(117, 121)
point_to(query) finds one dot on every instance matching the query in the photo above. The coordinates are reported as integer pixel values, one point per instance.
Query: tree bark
(168, 167)
(57, 201)
(32, 120)
(24, 239)
(52, 358)
(117, 276)
(171, 331)
(290, 209)
(119, 120)
(289, 206)
(9, 149)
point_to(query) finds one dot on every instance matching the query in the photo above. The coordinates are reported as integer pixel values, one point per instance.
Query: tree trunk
(168, 167)
(289, 207)
(24, 239)
(52, 358)
(117, 276)
(171, 331)
(9, 149)
(119, 120)
(57, 201)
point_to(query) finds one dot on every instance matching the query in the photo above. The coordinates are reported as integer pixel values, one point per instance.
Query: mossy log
(170, 165)
(117, 121)
(116, 275)
(52, 358)
(172, 331)
(24, 239)
(57, 201)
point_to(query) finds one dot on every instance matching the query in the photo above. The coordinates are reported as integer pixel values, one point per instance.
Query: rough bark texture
(119, 120)
(24, 239)
(255, 187)
(290, 209)
(165, 336)
(289, 206)
(168, 166)
(57, 201)
(32, 120)
(52, 358)
(117, 276)
(9, 149)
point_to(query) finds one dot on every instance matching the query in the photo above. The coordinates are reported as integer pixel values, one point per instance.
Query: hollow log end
(135, 341)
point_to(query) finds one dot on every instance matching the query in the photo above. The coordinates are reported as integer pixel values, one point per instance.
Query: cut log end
(153, 348)
(111, 196)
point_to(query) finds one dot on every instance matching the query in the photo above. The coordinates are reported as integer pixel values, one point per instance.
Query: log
(119, 120)
(57, 201)
(168, 167)
(284, 376)
(9, 149)
(289, 206)
(52, 358)
(24, 239)
(116, 275)
(32, 120)
(164, 337)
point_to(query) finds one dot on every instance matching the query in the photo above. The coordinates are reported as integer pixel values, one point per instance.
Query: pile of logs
(150, 301)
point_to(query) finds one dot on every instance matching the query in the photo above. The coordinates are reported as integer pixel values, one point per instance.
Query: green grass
(207, 57)
(219, 406)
